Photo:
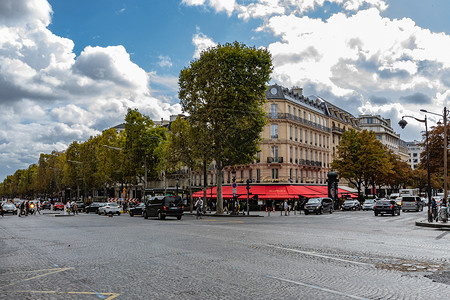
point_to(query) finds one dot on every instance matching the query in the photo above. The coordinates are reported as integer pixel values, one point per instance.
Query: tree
(223, 91)
(180, 149)
(361, 158)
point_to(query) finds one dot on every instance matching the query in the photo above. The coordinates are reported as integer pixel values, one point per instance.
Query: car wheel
(398, 213)
(87, 212)
(131, 214)
(404, 210)
(306, 212)
(145, 215)
(331, 211)
(118, 213)
(393, 213)
(179, 218)
(376, 214)
(159, 216)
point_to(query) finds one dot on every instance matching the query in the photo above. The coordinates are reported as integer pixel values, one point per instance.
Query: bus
(409, 192)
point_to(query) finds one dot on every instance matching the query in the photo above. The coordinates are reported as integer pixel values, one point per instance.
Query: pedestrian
(199, 207)
(21, 208)
(286, 207)
(434, 208)
(38, 207)
(75, 208)
(27, 207)
(67, 210)
(1, 208)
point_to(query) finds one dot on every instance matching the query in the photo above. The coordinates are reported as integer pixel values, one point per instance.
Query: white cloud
(164, 61)
(49, 97)
(201, 43)
(227, 6)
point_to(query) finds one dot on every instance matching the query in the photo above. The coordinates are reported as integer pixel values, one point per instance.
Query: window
(289, 109)
(274, 110)
(300, 134)
(258, 175)
(250, 174)
(242, 174)
(290, 154)
(274, 173)
(295, 134)
(274, 151)
(274, 131)
(290, 133)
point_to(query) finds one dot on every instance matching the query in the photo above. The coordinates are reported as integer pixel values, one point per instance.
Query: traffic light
(248, 184)
(52, 184)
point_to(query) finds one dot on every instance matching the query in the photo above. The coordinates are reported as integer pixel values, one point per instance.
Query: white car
(110, 208)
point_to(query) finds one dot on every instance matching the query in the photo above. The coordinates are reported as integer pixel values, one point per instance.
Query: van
(412, 203)
(319, 206)
(164, 206)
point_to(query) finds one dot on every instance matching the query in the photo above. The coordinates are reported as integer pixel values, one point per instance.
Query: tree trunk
(219, 206)
(191, 204)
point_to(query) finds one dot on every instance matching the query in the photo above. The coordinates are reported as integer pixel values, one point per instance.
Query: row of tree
(365, 162)
(224, 94)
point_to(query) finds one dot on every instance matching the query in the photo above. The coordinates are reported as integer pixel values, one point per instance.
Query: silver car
(368, 204)
(110, 208)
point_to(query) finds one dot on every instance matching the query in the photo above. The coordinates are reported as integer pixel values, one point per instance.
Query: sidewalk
(425, 223)
(252, 214)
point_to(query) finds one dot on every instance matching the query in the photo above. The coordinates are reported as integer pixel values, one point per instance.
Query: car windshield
(314, 200)
(412, 199)
(368, 202)
(172, 201)
(113, 204)
(349, 202)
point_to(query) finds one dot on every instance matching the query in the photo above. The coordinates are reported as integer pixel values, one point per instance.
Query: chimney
(297, 89)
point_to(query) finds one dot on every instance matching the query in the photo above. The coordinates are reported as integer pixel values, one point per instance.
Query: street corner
(425, 223)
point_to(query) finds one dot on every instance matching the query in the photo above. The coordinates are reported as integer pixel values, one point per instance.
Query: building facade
(298, 143)
(414, 151)
(385, 134)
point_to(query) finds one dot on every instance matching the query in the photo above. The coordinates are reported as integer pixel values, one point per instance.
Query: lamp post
(402, 124)
(445, 150)
(178, 182)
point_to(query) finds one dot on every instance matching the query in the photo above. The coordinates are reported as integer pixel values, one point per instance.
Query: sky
(71, 69)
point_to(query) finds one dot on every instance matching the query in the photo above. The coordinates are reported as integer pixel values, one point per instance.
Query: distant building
(414, 151)
(385, 134)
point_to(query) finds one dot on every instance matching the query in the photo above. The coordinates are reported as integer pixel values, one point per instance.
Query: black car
(164, 206)
(93, 207)
(137, 210)
(319, 206)
(351, 205)
(386, 207)
(46, 205)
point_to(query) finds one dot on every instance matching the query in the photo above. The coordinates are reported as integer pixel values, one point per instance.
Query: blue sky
(70, 69)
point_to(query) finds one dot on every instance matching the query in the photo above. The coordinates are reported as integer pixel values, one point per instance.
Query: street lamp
(178, 182)
(445, 149)
(402, 124)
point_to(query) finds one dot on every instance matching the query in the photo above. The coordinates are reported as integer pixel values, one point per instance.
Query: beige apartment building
(298, 143)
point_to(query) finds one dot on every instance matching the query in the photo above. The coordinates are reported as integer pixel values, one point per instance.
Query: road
(344, 255)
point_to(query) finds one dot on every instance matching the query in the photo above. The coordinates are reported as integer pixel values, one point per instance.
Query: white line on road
(322, 256)
(317, 288)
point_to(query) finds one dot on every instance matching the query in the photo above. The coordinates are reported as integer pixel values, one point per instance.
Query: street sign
(234, 191)
(234, 185)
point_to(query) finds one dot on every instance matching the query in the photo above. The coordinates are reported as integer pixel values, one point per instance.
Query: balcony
(337, 129)
(274, 160)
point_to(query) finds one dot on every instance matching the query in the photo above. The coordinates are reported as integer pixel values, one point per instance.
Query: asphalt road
(346, 255)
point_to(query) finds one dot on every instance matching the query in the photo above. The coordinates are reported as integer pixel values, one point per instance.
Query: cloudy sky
(70, 69)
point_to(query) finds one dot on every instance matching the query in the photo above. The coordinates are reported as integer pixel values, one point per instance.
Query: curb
(225, 215)
(63, 215)
(432, 225)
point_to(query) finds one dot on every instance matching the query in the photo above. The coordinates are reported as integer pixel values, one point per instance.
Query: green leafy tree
(223, 92)
(361, 159)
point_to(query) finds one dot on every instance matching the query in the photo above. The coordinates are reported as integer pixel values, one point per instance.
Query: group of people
(29, 208)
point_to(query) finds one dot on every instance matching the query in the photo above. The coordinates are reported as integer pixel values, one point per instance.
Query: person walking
(38, 207)
(75, 208)
(27, 207)
(21, 208)
(286, 207)
(434, 208)
(199, 207)
(67, 212)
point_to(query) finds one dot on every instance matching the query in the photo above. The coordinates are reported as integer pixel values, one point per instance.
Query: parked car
(46, 205)
(58, 206)
(110, 208)
(386, 207)
(137, 210)
(368, 204)
(164, 206)
(9, 207)
(319, 206)
(412, 203)
(351, 205)
(93, 207)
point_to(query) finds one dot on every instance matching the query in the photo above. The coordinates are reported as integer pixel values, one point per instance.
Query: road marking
(52, 271)
(100, 295)
(228, 221)
(317, 288)
(322, 256)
